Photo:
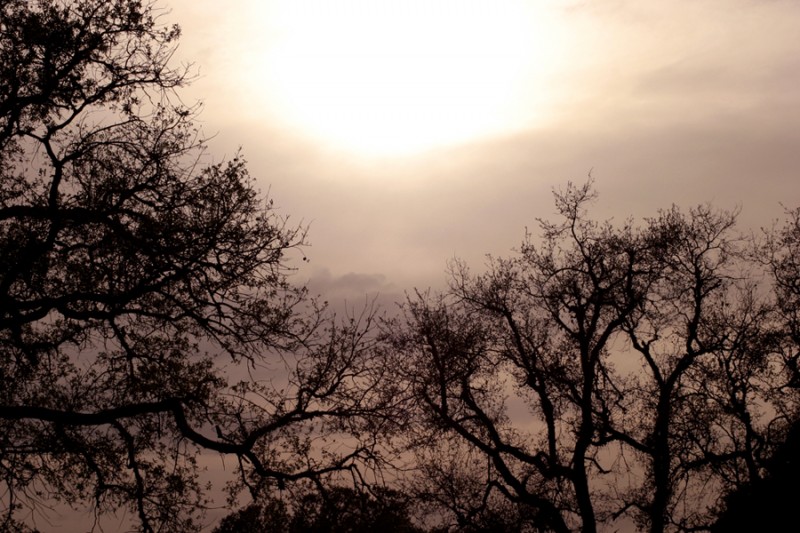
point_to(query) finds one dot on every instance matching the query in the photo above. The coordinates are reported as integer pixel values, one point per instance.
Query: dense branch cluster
(638, 371)
(140, 285)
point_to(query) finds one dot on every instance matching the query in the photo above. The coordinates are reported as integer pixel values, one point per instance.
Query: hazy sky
(407, 133)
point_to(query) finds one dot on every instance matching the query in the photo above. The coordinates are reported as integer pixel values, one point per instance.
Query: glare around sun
(392, 78)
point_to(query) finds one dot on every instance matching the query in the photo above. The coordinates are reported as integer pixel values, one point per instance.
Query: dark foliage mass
(767, 503)
(334, 510)
(646, 372)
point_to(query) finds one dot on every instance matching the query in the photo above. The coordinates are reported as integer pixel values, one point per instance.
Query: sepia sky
(408, 133)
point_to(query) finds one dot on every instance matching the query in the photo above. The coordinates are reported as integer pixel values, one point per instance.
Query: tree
(705, 338)
(650, 366)
(145, 307)
(455, 489)
(766, 503)
(336, 509)
(781, 253)
(270, 515)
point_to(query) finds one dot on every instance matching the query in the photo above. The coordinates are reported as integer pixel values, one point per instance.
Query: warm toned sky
(410, 132)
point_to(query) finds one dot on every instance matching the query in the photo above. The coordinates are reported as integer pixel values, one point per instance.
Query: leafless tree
(145, 307)
(606, 371)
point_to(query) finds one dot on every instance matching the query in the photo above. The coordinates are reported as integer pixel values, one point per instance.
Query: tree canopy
(145, 307)
(640, 371)
(337, 509)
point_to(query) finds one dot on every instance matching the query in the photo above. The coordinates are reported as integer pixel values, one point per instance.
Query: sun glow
(387, 77)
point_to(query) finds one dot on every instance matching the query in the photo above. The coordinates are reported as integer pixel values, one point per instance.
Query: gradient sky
(408, 133)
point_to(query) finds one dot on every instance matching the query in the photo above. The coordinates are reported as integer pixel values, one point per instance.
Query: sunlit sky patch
(381, 77)
(411, 132)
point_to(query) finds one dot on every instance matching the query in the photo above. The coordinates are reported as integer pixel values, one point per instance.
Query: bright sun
(397, 77)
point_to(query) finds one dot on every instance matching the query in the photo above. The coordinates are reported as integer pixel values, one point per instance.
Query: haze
(410, 133)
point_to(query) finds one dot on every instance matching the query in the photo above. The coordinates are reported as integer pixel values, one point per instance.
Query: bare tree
(145, 308)
(605, 371)
(537, 327)
(335, 509)
(705, 336)
(781, 252)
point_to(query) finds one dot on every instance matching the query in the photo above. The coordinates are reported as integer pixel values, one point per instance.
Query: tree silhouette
(652, 370)
(455, 490)
(145, 309)
(336, 509)
(767, 503)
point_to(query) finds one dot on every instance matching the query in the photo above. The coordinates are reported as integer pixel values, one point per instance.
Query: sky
(409, 133)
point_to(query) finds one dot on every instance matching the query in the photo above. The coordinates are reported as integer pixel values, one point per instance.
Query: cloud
(349, 294)
(323, 281)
